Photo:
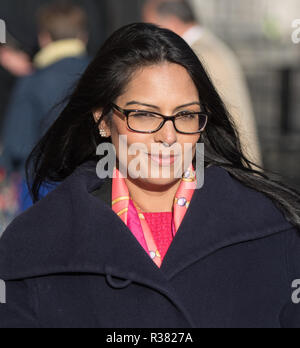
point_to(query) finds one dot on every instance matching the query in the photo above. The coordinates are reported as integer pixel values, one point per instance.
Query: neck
(153, 199)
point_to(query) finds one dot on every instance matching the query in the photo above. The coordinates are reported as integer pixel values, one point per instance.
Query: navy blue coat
(69, 261)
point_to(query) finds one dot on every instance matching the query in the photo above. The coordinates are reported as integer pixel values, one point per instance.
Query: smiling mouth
(163, 160)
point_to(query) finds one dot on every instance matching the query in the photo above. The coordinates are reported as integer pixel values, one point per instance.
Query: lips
(163, 160)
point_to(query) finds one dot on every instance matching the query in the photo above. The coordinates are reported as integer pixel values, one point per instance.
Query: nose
(167, 134)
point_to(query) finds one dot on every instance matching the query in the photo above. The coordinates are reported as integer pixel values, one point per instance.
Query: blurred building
(260, 32)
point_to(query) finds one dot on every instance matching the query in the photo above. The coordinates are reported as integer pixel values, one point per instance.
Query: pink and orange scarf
(131, 215)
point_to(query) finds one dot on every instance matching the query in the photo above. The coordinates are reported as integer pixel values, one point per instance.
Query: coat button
(117, 284)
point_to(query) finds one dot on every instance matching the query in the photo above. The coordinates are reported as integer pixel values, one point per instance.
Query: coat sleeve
(290, 316)
(17, 308)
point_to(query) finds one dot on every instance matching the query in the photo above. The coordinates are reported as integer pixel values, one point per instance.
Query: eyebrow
(157, 108)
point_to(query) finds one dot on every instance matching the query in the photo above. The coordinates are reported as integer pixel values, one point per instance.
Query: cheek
(189, 142)
(118, 128)
(123, 139)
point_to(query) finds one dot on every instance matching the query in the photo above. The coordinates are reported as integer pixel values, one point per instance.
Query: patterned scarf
(131, 214)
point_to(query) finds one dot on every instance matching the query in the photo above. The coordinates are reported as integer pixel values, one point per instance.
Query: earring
(103, 133)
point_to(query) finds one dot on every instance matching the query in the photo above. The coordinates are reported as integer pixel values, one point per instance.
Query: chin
(159, 184)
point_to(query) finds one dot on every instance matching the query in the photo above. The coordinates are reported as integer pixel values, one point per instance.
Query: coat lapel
(222, 213)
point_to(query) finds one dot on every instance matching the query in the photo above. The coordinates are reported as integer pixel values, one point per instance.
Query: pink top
(154, 231)
(161, 227)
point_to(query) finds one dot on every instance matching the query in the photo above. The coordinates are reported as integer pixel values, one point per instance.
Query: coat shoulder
(253, 209)
(48, 233)
(39, 228)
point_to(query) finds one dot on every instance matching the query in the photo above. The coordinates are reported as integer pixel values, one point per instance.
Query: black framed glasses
(149, 122)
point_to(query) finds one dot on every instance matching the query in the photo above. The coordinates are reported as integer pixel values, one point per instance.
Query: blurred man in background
(22, 39)
(14, 63)
(219, 61)
(38, 98)
(62, 37)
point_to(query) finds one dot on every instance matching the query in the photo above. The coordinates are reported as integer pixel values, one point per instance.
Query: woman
(150, 251)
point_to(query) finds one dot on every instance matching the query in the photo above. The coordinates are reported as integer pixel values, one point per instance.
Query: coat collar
(59, 50)
(73, 231)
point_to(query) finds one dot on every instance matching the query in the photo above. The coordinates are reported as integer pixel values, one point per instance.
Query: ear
(103, 124)
(97, 115)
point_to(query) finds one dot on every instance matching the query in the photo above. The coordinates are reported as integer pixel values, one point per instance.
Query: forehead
(165, 83)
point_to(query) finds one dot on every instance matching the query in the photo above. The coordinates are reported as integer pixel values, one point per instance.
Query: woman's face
(165, 89)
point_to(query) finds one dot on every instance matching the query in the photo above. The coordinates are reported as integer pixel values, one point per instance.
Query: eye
(187, 115)
(141, 114)
(187, 112)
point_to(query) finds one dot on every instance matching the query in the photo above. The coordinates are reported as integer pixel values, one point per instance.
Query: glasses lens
(190, 123)
(144, 121)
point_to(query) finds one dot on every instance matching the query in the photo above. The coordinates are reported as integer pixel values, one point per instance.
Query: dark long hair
(74, 137)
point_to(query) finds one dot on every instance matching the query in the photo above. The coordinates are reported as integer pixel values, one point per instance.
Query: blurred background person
(14, 63)
(220, 62)
(63, 37)
(35, 102)
(21, 23)
(22, 39)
